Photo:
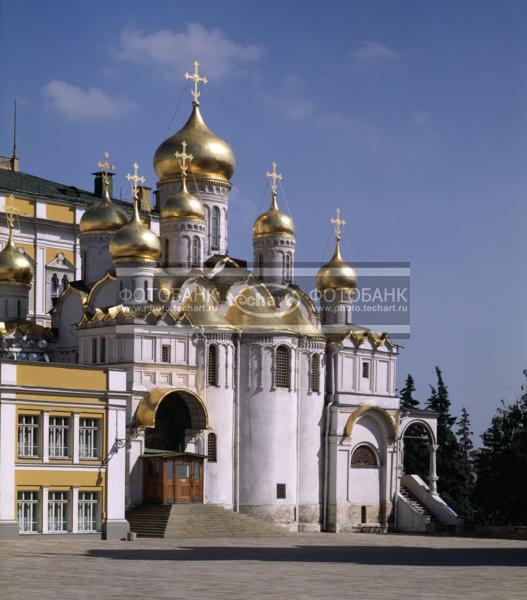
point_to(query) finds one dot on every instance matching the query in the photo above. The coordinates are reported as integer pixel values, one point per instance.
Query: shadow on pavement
(371, 555)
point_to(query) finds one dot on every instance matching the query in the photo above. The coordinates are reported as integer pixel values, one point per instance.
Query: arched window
(189, 251)
(212, 447)
(314, 374)
(54, 285)
(215, 228)
(18, 309)
(84, 264)
(363, 456)
(195, 251)
(260, 266)
(288, 267)
(145, 287)
(65, 282)
(282, 368)
(212, 365)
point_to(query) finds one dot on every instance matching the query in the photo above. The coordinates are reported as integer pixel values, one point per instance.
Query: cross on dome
(274, 177)
(106, 166)
(197, 79)
(337, 222)
(183, 157)
(135, 179)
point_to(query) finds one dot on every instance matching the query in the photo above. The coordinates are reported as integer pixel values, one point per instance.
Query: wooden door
(153, 480)
(183, 472)
(196, 480)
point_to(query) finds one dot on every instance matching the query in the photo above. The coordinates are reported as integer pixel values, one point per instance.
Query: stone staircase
(432, 522)
(196, 520)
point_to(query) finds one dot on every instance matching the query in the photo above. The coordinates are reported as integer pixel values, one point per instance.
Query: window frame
(366, 369)
(92, 431)
(166, 348)
(212, 447)
(32, 506)
(34, 430)
(314, 373)
(58, 511)
(57, 432)
(212, 366)
(88, 511)
(282, 371)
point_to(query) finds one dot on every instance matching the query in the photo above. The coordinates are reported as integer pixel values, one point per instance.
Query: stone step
(196, 520)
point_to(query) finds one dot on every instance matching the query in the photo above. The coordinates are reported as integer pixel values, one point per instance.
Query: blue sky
(410, 116)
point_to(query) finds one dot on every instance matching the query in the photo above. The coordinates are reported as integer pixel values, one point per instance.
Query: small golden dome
(213, 157)
(103, 216)
(336, 274)
(135, 241)
(273, 222)
(183, 205)
(14, 266)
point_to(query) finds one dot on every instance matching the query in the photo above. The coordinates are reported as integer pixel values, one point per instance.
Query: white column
(40, 308)
(116, 526)
(75, 509)
(45, 437)
(8, 433)
(432, 448)
(44, 499)
(75, 442)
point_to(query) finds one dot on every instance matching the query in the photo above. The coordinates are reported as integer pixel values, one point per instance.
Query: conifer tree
(466, 453)
(449, 461)
(408, 402)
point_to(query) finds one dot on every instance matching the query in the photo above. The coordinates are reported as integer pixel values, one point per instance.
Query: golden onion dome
(183, 205)
(273, 222)
(135, 241)
(14, 266)
(336, 274)
(212, 157)
(103, 216)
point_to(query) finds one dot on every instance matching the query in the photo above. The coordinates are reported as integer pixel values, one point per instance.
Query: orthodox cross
(183, 157)
(197, 80)
(337, 223)
(106, 166)
(10, 213)
(135, 179)
(274, 177)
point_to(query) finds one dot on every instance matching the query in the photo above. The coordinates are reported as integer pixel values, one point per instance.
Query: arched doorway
(419, 452)
(175, 422)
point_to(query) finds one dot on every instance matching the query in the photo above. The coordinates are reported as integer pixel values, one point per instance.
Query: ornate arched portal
(175, 421)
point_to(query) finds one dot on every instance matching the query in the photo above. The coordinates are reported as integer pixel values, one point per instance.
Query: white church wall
(268, 440)
(310, 460)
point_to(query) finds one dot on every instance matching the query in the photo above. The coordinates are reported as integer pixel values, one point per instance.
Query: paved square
(295, 566)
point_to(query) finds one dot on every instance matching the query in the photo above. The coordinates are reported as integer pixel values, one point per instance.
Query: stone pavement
(307, 566)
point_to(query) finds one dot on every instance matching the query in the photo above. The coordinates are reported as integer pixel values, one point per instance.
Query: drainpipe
(332, 353)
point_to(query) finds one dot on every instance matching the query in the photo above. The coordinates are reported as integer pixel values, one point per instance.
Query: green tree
(408, 402)
(466, 453)
(449, 460)
(501, 465)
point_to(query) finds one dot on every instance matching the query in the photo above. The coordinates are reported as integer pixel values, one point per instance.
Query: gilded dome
(183, 205)
(336, 274)
(103, 216)
(14, 266)
(135, 241)
(212, 157)
(273, 222)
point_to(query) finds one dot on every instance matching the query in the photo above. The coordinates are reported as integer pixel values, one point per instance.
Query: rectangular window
(280, 491)
(102, 350)
(88, 511)
(28, 435)
(28, 512)
(58, 512)
(58, 437)
(365, 370)
(165, 353)
(89, 438)
(94, 350)
(314, 379)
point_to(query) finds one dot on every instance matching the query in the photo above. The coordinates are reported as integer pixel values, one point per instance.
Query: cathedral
(141, 364)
